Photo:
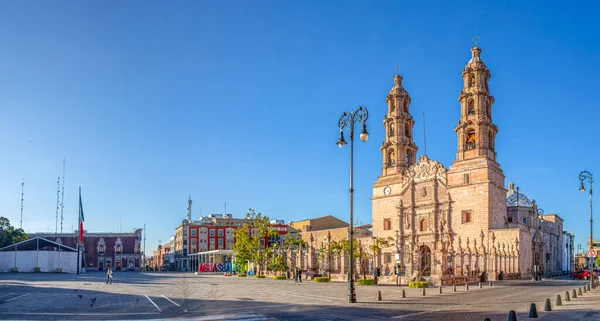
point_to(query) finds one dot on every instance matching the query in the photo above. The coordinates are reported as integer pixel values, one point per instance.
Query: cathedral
(451, 225)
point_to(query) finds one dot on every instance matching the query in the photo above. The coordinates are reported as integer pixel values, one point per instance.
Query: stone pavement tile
(585, 307)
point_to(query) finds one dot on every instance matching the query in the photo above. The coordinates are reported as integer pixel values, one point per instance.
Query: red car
(585, 274)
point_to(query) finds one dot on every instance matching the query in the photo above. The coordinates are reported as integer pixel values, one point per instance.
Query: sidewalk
(585, 307)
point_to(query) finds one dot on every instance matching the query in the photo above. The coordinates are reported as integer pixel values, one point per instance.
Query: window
(423, 225)
(524, 220)
(471, 107)
(193, 241)
(392, 129)
(472, 81)
(101, 248)
(220, 232)
(467, 216)
(391, 159)
(387, 224)
(392, 106)
(212, 232)
(510, 219)
(184, 242)
(471, 139)
(407, 132)
(387, 258)
(194, 232)
(118, 249)
(466, 179)
(220, 243)
(220, 224)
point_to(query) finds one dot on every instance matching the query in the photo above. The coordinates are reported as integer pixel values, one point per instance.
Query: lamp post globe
(583, 176)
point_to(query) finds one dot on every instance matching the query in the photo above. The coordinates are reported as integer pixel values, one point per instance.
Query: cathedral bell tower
(475, 179)
(475, 131)
(398, 149)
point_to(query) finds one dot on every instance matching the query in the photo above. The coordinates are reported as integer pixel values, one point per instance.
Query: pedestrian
(296, 275)
(109, 275)
(307, 272)
(300, 275)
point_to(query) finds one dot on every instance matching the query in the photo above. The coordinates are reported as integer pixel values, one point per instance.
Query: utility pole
(62, 198)
(22, 188)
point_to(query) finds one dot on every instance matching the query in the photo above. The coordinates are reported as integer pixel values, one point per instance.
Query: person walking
(300, 275)
(295, 275)
(109, 275)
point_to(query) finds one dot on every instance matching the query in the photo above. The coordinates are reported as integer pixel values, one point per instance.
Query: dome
(512, 195)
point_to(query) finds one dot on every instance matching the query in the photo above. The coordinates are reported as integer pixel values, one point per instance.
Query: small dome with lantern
(514, 197)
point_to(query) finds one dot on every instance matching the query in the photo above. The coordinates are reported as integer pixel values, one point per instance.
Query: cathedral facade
(450, 225)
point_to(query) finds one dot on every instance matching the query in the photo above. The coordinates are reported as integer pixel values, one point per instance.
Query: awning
(33, 245)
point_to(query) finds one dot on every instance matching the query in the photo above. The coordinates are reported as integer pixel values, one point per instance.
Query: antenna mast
(22, 188)
(190, 208)
(62, 198)
(57, 204)
(424, 135)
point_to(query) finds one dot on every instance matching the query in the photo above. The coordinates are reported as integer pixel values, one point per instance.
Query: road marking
(22, 295)
(1, 296)
(311, 296)
(452, 307)
(173, 302)
(88, 314)
(253, 307)
(156, 306)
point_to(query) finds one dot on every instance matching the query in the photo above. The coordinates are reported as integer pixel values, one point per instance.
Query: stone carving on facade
(425, 169)
(423, 191)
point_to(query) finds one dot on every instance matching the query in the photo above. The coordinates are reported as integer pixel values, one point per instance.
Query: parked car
(584, 274)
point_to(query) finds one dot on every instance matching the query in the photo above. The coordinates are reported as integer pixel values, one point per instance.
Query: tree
(597, 261)
(252, 240)
(10, 235)
(294, 244)
(379, 243)
(278, 265)
(360, 253)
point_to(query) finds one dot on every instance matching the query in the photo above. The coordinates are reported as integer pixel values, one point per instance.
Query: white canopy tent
(38, 252)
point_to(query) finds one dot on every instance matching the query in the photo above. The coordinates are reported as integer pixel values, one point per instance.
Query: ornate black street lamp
(585, 175)
(348, 120)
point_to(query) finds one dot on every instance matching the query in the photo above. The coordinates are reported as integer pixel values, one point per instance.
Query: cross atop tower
(475, 39)
(397, 70)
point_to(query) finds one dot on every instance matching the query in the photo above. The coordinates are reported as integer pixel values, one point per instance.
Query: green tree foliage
(360, 253)
(597, 261)
(10, 235)
(250, 240)
(379, 243)
(278, 264)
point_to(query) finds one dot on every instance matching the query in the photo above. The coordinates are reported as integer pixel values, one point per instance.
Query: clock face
(387, 190)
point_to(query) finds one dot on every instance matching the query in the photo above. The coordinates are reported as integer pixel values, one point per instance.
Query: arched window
(472, 81)
(491, 140)
(471, 107)
(423, 225)
(392, 105)
(406, 106)
(391, 158)
(392, 129)
(471, 139)
(407, 132)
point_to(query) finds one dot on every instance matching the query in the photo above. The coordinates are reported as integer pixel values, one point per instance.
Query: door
(425, 261)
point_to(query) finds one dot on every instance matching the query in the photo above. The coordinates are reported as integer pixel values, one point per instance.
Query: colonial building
(121, 251)
(452, 225)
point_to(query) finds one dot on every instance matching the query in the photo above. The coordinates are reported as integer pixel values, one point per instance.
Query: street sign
(591, 253)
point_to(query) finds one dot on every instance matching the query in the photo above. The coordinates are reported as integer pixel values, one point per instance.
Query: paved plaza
(185, 296)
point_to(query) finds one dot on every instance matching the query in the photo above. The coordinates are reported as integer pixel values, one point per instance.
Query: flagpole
(78, 232)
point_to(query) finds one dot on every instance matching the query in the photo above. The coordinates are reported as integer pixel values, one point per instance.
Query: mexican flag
(81, 219)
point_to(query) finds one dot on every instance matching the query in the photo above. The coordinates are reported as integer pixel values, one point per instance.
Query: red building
(119, 250)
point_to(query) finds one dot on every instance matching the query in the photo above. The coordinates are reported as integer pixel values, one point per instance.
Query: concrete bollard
(491, 284)
(467, 286)
(453, 287)
(548, 305)
(423, 291)
(403, 296)
(440, 290)
(567, 297)
(584, 289)
(558, 300)
(378, 295)
(480, 286)
(588, 286)
(532, 311)
(512, 315)
(574, 294)
(579, 291)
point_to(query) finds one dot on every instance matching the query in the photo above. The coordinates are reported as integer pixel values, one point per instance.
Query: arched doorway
(425, 260)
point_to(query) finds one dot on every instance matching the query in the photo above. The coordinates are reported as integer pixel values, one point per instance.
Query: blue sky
(238, 101)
